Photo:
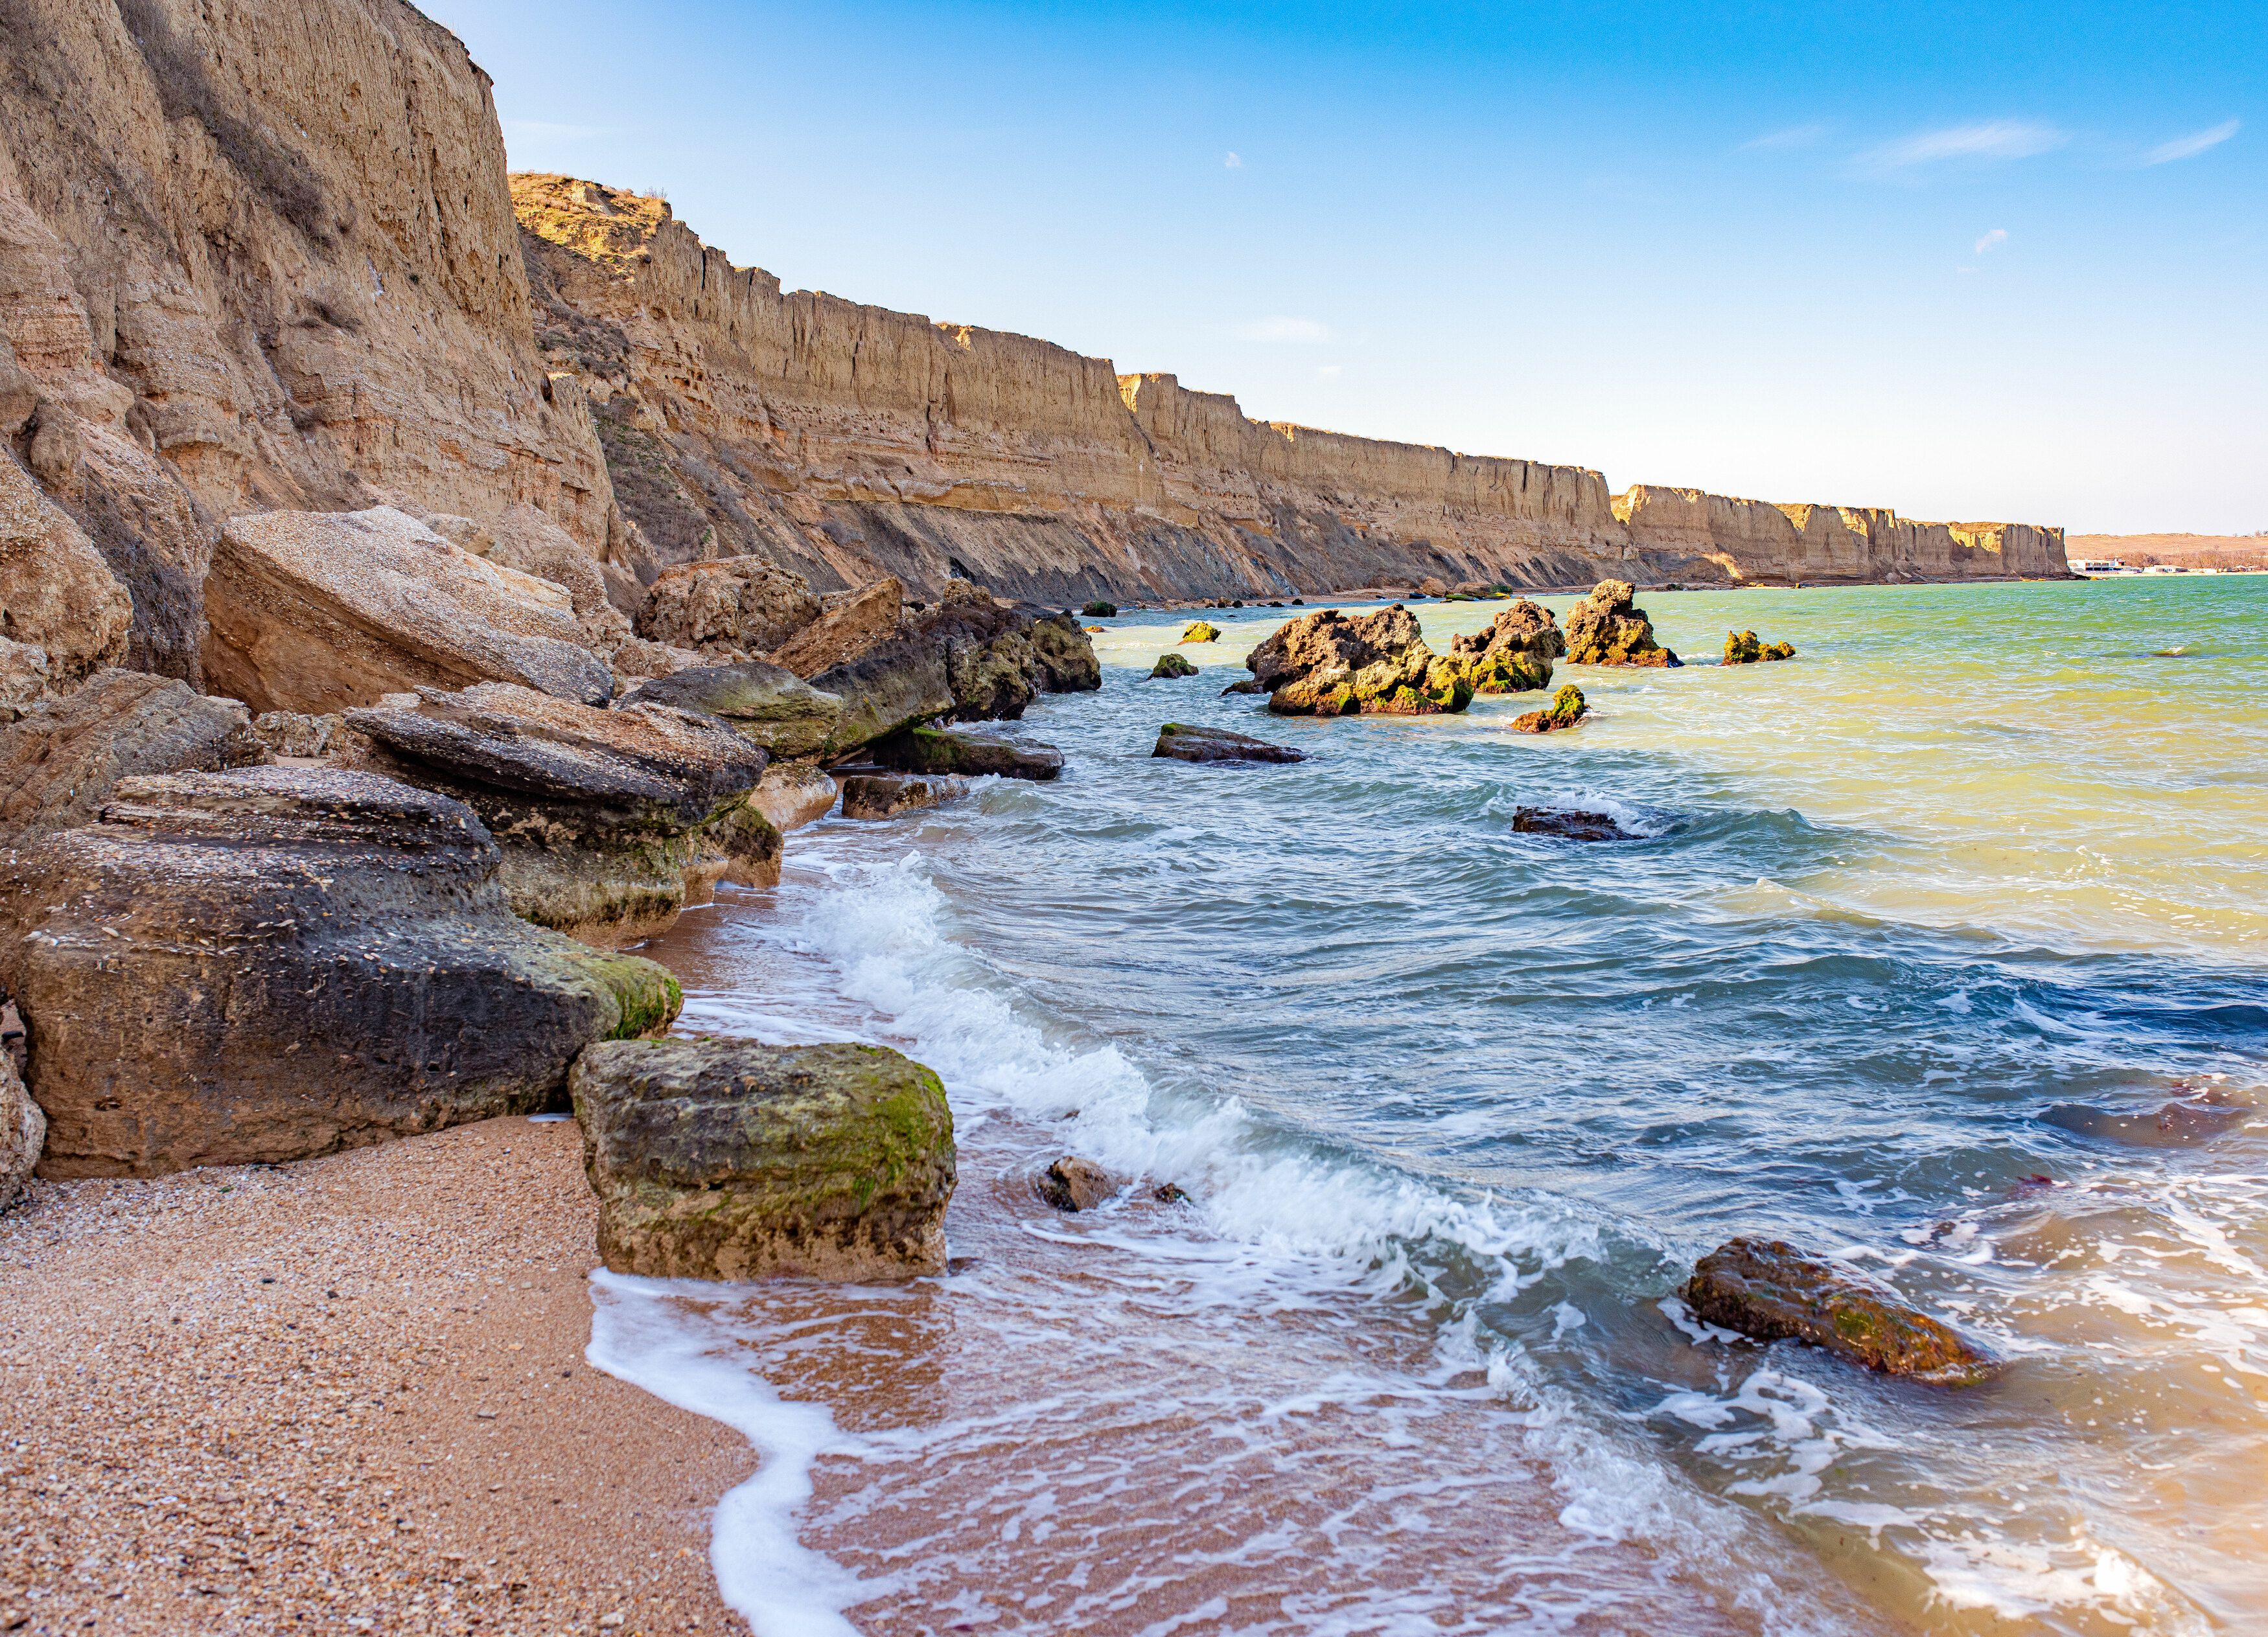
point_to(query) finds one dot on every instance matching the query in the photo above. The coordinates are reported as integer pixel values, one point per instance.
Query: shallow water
(1920, 934)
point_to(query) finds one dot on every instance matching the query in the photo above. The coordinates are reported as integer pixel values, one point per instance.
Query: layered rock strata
(60, 760)
(274, 963)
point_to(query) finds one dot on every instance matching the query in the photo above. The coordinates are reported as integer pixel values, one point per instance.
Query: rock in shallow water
(1325, 664)
(1513, 653)
(768, 703)
(885, 795)
(1607, 629)
(1184, 742)
(1073, 1184)
(271, 964)
(1171, 667)
(1572, 827)
(1768, 1289)
(933, 750)
(1567, 709)
(728, 1159)
(1742, 648)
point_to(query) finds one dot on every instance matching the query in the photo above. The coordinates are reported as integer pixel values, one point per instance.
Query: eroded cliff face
(257, 255)
(847, 440)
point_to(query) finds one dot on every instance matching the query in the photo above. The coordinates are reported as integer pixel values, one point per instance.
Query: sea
(1937, 950)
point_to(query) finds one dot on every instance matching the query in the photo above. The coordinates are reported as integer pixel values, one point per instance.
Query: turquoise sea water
(1919, 938)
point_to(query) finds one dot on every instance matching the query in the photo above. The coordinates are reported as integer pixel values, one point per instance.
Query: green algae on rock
(1607, 629)
(729, 1159)
(937, 750)
(1512, 653)
(1566, 710)
(1768, 1289)
(1742, 648)
(1100, 609)
(1170, 666)
(1201, 631)
(1325, 664)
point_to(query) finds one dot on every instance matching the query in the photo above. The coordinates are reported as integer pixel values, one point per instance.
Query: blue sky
(1967, 260)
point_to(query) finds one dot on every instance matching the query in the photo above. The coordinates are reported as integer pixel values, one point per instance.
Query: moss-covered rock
(1769, 1289)
(1742, 648)
(887, 795)
(935, 750)
(1100, 609)
(1325, 664)
(1607, 629)
(729, 1159)
(1513, 653)
(1170, 666)
(1201, 631)
(1567, 709)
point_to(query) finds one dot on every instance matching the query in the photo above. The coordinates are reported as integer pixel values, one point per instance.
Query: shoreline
(348, 1393)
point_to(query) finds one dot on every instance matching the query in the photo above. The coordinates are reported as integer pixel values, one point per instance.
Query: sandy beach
(342, 1395)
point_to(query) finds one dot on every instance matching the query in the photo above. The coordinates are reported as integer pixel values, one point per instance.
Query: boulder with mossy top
(1201, 631)
(1181, 741)
(770, 704)
(972, 755)
(1100, 609)
(1513, 654)
(1768, 1290)
(260, 965)
(607, 818)
(732, 1160)
(1742, 648)
(1566, 710)
(1171, 667)
(1325, 664)
(1607, 629)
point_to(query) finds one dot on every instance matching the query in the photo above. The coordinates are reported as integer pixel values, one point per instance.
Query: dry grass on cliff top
(342, 1395)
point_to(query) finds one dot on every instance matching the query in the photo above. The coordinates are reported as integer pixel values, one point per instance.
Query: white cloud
(2189, 147)
(1794, 136)
(1999, 235)
(1990, 139)
(1330, 371)
(1295, 331)
(1232, 162)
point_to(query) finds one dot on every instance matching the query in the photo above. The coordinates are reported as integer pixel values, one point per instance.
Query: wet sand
(346, 1394)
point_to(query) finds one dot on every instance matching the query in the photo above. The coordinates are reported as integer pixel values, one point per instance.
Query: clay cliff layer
(845, 440)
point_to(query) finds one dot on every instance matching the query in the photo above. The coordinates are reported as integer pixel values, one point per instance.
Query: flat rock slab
(887, 795)
(937, 750)
(1184, 742)
(279, 962)
(1768, 1289)
(60, 761)
(730, 1159)
(769, 703)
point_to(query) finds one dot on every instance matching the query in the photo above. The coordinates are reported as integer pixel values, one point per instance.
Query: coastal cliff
(847, 440)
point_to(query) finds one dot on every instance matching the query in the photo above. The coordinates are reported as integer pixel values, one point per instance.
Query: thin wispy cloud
(1999, 235)
(1232, 161)
(1988, 139)
(1330, 371)
(1295, 332)
(2193, 144)
(1794, 136)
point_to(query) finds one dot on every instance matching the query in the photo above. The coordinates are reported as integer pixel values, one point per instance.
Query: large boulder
(769, 703)
(1768, 1289)
(1513, 653)
(728, 1159)
(277, 962)
(60, 761)
(887, 795)
(793, 794)
(317, 612)
(729, 608)
(602, 815)
(23, 1131)
(937, 750)
(1325, 664)
(1607, 629)
(847, 625)
(58, 598)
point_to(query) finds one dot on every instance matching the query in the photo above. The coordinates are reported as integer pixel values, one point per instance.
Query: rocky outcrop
(728, 1159)
(1742, 648)
(1607, 629)
(1201, 631)
(60, 760)
(1754, 540)
(1768, 1289)
(1181, 742)
(885, 795)
(273, 963)
(849, 624)
(1171, 668)
(296, 734)
(62, 613)
(1513, 655)
(1567, 707)
(933, 750)
(1325, 664)
(1567, 824)
(601, 816)
(771, 705)
(23, 1132)
(316, 611)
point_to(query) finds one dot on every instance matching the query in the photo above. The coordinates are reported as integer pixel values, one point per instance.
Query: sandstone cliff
(848, 440)
(258, 255)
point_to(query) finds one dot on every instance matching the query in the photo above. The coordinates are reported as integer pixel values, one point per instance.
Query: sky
(1972, 261)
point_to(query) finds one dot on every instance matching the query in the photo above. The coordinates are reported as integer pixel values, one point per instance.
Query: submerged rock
(1185, 743)
(1513, 653)
(1171, 667)
(1572, 827)
(264, 964)
(1768, 1289)
(1201, 631)
(935, 750)
(1325, 664)
(22, 1131)
(1742, 648)
(1249, 685)
(728, 1159)
(885, 795)
(602, 815)
(2176, 1125)
(768, 703)
(60, 759)
(1607, 629)
(1073, 1184)
(1567, 709)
